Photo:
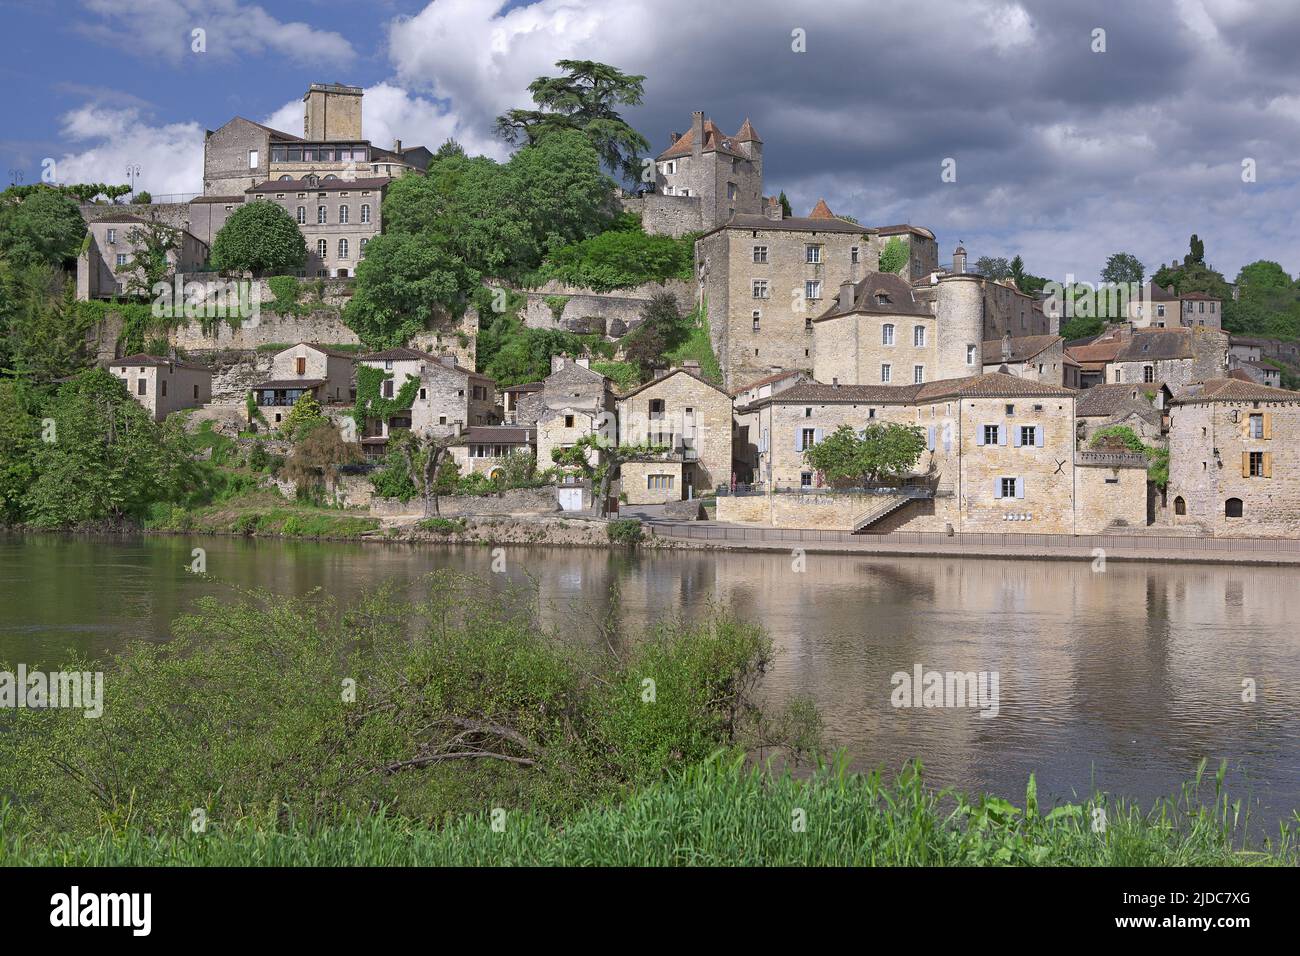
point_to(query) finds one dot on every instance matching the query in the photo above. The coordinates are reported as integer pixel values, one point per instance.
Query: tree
(403, 280)
(1123, 268)
(107, 459)
(558, 185)
(876, 452)
(43, 226)
(786, 210)
(150, 262)
(660, 331)
(304, 416)
(313, 464)
(423, 457)
(583, 99)
(993, 268)
(259, 237)
(19, 435)
(894, 255)
(1196, 252)
(45, 333)
(609, 459)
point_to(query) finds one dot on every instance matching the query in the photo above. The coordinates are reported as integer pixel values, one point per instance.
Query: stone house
(999, 456)
(338, 217)
(689, 415)
(1161, 307)
(574, 401)
(704, 178)
(1254, 371)
(1234, 459)
(305, 369)
(163, 385)
(877, 333)
(1094, 356)
(1139, 407)
(512, 397)
(482, 449)
(764, 278)
(448, 398)
(1038, 357)
(1002, 308)
(104, 265)
(1177, 357)
(922, 248)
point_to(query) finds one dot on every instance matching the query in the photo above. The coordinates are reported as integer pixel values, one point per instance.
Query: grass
(717, 814)
(699, 347)
(264, 512)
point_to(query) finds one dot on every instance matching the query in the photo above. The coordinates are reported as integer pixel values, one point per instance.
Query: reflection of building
(163, 385)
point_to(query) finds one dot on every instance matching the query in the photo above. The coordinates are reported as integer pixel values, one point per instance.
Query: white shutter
(1002, 434)
(979, 434)
(947, 437)
(1040, 433)
(997, 487)
(798, 439)
(817, 436)
(1020, 487)
(929, 438)
(1015, 437)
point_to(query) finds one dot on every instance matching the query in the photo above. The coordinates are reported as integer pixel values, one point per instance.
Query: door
(570, 499)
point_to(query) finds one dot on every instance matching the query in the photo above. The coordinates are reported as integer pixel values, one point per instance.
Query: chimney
(697, 134)
(846, 296)
(835, 383)
(772, 208)
(557, 363)
(447, 360)
(397, 147)
(959, 260)
(673, 138)
(584, 362)
(1006, 348)
(690, 365)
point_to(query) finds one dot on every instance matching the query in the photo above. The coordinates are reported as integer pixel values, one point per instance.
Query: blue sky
(1064, 153)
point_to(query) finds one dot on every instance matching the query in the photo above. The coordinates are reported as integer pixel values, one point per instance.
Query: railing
(1120, 458)
(743, 490)
(900, 497)
(972, 540)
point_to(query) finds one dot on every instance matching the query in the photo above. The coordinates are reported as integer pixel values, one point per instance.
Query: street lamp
(132, 172)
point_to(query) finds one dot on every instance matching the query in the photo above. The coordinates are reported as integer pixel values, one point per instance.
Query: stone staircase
(884, 509)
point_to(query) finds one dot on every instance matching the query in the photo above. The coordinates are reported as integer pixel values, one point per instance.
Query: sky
(1067, 144)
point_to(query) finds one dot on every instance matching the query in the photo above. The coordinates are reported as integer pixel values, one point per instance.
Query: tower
(331, 111)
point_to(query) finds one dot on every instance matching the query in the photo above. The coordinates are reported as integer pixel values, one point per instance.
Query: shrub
(625, 531)
(441, 525)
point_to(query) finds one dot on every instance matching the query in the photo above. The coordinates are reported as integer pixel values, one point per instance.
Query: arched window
(302, 214)
(887, 334)
(286, 178)
(343, 248)
(343, 213)
(1180, 506)
(1232, 508)
(365, 212)
(330, 176)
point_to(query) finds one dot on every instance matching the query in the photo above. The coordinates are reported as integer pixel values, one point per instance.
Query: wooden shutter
(1268, 464)
(1015, 436)
(1245, 464)
(979, 434)
(1268, 424)
(1002, 434)
(1020, 487)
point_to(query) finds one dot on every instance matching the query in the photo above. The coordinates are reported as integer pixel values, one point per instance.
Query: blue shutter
(798, 439)
(929, 438)
(997, 487)
(1002, 434)
(1015, 437)
(979, 434)
(1020, 487)
(817, 436)
(1040, 433)
(947, 437)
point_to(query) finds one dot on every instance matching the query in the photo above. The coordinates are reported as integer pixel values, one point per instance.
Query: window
(363, 247)
(1148, 373)
(970, 355)
(760, 255)
(423, 394)
(1256, 464)
(886, 373)
(807, 323)
(918, 336)
(365, 212)
(1232, 508)
(853, 256)
(760, 288)
(302, 215)
(805, 479)
(343, 213)
(1007, 488)
(322, 248)
(807, 438)
(757, 316)
(343, 248)
(112, 236)
(121, 259)
(731, 190)
(300, 366)
(1028, 435)
(812, 289)
(141, 386)
(659, 482)
(1011, 409)
(388, 365)
(807, 413)
(1180, 506)
(887, 334)
(568, 421)
(1256, 426)
(1212, 304)
(812, 254)
(882, 298)
(162, 388)
(670, 167)
(918, 374)
(320, 215)
(990, 435)
(1160, 311)
(1202, 309)
(252, 159)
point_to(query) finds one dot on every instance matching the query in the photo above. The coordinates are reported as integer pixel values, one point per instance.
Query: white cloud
(164, 29)
(104, 141)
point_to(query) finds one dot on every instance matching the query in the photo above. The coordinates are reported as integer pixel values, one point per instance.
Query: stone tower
(331, 111)
(959, 323)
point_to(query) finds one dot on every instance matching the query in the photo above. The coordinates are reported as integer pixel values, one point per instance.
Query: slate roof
(791, 224)
(902, 228)
(400, 353)
(140, 359)
(1108, 398)
(988, 385)
(899, 290)
(1152, 345)
(495, 434)
(321, 185)
(286, 383)
(1022, 349)
(1234, 390)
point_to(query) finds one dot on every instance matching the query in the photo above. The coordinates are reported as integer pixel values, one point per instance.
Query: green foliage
(392, 479)
(625, 531)
(44, 328)
(556, 304)
(19, 435)
(993, 268)
(1122, 268)
(894, 256)
(697, 346)
(241, 714)
(621, 259)
(305, 415)
(317, 454)
(151, 244)
(441, 525)
(786, 210)
(40, 226)
(1194, 275)
(878, 451)
(625, 375)
(259, 237)
(511, 353)
(1157, 457)
(1269, 303)
(662, 329)
(370, 402)
(583, 100)
(1082, 328)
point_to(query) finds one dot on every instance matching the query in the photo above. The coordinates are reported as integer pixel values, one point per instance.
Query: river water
(1121, 679)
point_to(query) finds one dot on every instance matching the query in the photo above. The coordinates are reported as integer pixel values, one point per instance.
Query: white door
(570, 499)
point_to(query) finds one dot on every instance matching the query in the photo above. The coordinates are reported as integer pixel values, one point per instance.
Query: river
(1119, 679)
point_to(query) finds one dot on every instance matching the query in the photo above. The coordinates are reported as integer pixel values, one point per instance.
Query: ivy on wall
(371, 403)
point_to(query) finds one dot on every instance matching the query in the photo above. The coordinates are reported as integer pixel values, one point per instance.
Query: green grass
(699, 347)
(625, 375)
(715, 815)
(262, 512)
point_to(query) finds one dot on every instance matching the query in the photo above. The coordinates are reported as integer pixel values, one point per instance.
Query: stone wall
(667, 215)
(533, 501)
(707, 426)
(586, 312)
(324, 326)
(174, 214)
(1110, 492)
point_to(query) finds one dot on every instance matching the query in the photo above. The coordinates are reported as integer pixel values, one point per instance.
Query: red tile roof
(1234, 390)
(821, 211)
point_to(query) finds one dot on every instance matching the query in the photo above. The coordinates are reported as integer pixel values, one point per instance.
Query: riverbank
(717, 814)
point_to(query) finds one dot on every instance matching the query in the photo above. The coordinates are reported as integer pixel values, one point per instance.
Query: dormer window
(882, 298)
(312, 179)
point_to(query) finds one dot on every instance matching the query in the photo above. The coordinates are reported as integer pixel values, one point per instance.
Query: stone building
(304, 369)
(878, 333)
(163, 385)
(447, 400)
(691, 417)
(574, 402)
(1234, 459)
(704, 178)
(1254, 371)
(922, 248)
(105, 265)
(483, 449)
(1139, 407)
(1095, 355)
(764, 278)
(337, 217)
(1040, 357)
(999, 456)
(1161, 307)
(1176, 356)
